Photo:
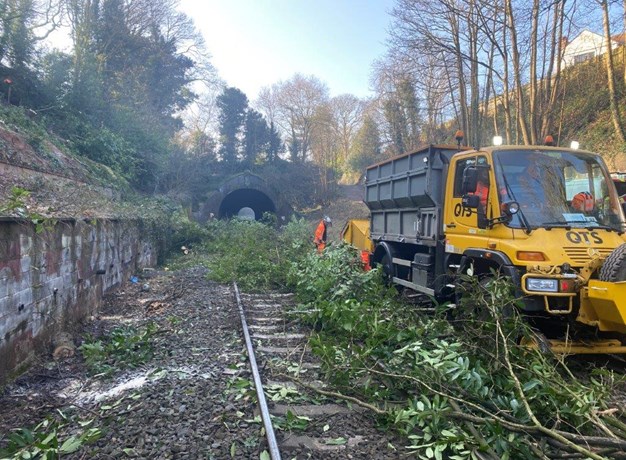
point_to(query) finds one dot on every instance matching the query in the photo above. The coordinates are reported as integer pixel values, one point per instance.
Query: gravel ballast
(194, 399)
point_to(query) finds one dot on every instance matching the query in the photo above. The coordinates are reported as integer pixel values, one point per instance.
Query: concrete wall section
(51, 280)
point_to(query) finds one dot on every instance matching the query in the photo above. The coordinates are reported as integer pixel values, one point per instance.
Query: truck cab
(547, 218)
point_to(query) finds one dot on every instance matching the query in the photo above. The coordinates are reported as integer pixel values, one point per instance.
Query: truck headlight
(542, 285)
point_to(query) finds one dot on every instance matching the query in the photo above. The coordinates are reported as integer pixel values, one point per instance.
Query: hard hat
(583, 201)
(327, 220)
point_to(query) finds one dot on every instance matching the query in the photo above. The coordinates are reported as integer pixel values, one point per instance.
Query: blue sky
(255, 43)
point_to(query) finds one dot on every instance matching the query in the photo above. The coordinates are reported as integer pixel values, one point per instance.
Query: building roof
(619, 38)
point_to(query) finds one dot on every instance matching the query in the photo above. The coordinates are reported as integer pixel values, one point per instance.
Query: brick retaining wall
(51, 280)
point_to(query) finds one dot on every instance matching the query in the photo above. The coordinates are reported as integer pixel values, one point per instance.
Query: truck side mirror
(470, 180)
(471, 201)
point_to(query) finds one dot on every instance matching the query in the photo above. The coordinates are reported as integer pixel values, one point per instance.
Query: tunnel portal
(241, 198)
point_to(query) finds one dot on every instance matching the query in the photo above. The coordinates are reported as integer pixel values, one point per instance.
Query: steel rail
(265, 414)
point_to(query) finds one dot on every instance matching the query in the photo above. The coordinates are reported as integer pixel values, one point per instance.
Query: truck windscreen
(557, 189)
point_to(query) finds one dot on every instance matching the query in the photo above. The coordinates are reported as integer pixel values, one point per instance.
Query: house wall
(51, 280)
(586, 45)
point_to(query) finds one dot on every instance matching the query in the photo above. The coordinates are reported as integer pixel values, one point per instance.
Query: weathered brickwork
(53, 279)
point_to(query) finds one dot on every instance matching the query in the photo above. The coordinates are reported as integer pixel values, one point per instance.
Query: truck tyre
(538, 340)
(614, 267)
(465, 291)
(383, 258)
(387, 266)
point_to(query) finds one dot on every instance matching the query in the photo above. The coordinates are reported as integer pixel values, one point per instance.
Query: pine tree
(233, 105)
(256, 136)
(275, 144)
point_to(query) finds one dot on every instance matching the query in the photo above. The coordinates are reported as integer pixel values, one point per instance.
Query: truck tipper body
(550, 221)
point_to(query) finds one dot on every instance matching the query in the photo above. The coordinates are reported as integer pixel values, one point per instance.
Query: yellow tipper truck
(547, 218)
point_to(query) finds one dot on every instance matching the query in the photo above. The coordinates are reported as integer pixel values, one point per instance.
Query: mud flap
(604, 305)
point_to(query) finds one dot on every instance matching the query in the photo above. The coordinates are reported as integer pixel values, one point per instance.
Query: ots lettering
(584, 237)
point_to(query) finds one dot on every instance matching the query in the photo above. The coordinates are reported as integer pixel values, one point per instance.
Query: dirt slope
(348, 205)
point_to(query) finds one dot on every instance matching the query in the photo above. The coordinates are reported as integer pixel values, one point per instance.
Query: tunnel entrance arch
(245, 190)
(241, 198)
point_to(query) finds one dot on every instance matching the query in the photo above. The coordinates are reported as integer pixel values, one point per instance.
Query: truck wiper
(570, 224)
(557, 224)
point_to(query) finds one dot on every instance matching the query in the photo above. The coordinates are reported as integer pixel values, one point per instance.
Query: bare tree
(325, 144)
(452, 34)
(396, 81)
(347, 116)
(498, 58)
(616, 116)
(552, 79)
(267, 103)
(520, 100)
(25, 23)
(296, 103)
(533, 96)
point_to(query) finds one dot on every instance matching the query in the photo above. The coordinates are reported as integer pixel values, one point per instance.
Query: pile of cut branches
(460, 388)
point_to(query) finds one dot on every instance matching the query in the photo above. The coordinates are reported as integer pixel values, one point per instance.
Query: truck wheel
(466, 292)
(614, 267)
(537, 340)
(387, 265)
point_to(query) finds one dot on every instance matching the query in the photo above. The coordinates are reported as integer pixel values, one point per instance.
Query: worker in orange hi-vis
(482, 188)
(321, 233)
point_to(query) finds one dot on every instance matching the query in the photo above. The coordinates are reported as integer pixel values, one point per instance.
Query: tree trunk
(452, 98)
(610, 73)
(532, 97)
(624, 45)
(506, 101)
(496, 128)
(461, 77)
(519, 90)
(553, 77)
(474, 85)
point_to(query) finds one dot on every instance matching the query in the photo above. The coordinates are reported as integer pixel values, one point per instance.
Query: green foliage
(378, 349)
(336, 284)
(254, 254)
(118, 98)
(16, 204)
(298, 182)
(44, 442)
(183, 231)
(16, 119)
(233, 105)
(106, 147)
(241, 388)
(257, 137)
(366, 149)
(123, 347)
(291, 422)
(167, 224)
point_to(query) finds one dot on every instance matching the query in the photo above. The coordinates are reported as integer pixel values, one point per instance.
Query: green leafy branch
(45, 442)
(123, 347)
(17, 205)
(471, 391)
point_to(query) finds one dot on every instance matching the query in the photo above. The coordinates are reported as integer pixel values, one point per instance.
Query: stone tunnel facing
(235, 202)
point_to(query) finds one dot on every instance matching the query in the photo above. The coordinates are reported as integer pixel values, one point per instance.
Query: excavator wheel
(614, 267)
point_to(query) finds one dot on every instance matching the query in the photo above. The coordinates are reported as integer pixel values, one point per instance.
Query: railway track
(300, 417)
